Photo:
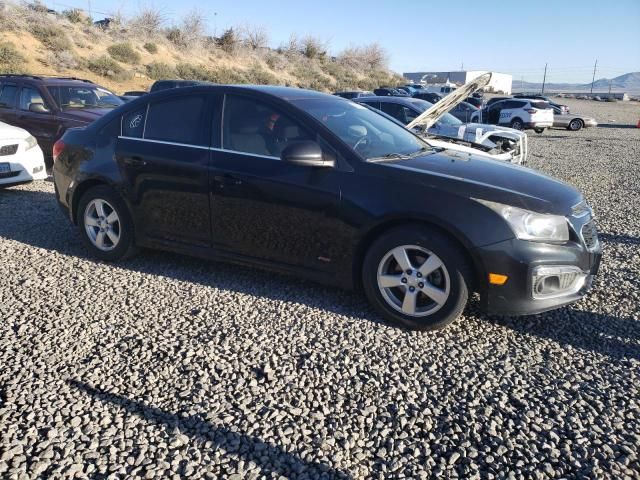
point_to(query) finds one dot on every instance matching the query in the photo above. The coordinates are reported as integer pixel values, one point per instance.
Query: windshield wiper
(389, 156)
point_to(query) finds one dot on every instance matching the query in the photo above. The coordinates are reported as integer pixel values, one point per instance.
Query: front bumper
(518, 259)
(25, 166)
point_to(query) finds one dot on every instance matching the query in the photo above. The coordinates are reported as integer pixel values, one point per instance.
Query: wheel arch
(379, 229)
(82, 187)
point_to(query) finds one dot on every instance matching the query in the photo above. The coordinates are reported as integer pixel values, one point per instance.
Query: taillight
(58, 147)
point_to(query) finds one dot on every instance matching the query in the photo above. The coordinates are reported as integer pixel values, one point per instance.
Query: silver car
(572, 121)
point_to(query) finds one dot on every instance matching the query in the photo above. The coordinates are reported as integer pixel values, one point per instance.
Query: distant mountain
(629, 82)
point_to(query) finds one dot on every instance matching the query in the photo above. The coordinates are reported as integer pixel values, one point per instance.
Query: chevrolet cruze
(318, 186)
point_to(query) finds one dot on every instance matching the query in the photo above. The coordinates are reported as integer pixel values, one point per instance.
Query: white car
(517, 113)
(21, 159)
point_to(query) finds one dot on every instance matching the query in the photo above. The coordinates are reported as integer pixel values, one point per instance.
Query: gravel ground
(167, 366)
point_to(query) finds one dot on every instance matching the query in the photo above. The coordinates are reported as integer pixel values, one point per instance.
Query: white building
(500, 82)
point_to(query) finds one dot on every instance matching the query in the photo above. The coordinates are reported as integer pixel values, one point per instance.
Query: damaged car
(432, 121)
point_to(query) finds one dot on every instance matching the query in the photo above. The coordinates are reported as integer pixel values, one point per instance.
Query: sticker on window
(133, 123)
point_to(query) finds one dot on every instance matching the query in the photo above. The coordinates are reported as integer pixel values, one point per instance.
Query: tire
(575, 125)
(538, 130)
(425, 247)
(517, 124)
(119, 227)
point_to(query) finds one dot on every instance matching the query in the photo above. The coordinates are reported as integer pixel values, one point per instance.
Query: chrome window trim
(163, 142)
(201, 147)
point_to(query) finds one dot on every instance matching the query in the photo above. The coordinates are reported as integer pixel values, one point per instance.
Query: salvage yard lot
(167, 365)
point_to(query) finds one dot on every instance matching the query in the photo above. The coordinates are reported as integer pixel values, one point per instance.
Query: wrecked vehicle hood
(431, 116)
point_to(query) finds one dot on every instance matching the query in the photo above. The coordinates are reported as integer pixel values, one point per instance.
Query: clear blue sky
(509, 36)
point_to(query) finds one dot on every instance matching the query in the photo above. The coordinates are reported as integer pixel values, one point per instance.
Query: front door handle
(134, 161)
(227, 179)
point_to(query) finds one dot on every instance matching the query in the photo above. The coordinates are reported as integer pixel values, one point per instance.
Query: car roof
(47, 80)
(390, 99)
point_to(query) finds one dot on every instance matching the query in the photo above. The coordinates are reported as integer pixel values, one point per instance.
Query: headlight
(529, 225)
(31, 142)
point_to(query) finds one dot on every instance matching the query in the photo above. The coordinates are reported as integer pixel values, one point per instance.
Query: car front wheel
(105, 223)
(416, 278)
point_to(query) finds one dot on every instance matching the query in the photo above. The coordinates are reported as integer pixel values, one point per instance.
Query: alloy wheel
(102, 224)
(413, 281)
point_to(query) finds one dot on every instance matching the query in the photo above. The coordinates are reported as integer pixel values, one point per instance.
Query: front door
(265, 208)
(163, 154)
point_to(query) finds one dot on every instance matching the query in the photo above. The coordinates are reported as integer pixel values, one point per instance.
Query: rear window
(8, 96)
(178, 120)
(540, 105)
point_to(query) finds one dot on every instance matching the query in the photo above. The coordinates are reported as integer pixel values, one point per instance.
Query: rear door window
(8, 96)
(178, 120)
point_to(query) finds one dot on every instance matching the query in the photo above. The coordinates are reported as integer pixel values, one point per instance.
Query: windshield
(84, 97)
(368, 133)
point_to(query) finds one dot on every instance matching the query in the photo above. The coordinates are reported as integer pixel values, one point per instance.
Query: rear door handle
(134, 161)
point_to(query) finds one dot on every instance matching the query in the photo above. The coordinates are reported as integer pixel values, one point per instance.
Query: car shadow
(624, 239)
(616, 125)
(273, 460)
(581, 329)
(617, 338)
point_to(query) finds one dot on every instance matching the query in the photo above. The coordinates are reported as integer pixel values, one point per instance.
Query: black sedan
(321, 187)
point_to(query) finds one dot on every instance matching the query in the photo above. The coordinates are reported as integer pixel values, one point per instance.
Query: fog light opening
(549, 282)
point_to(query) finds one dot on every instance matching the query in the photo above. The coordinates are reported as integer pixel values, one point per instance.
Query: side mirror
(38, 108)
(306, 153)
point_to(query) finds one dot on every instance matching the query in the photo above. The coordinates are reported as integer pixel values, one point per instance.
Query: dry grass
(135, 52)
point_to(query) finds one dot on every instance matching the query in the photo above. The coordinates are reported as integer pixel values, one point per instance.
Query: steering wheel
(360, 141)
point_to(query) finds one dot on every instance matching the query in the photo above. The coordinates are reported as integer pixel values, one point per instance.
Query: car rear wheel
(575, 124)
(105, 223)
(517, 124)
(416, 278)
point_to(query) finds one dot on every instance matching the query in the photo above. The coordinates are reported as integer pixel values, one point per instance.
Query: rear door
(8, 102)
(163, 154)
(36, 115)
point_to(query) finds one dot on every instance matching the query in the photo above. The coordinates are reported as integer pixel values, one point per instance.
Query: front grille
(590, 234)
(9, 174)
(8, 150)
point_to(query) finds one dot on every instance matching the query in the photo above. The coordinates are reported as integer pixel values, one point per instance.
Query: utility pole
(594, 75)
(462, 65)
(544, 79)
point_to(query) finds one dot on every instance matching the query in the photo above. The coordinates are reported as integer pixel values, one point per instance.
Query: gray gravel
(167, 366)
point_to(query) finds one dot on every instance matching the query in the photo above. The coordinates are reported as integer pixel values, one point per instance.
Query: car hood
(9, 132)
(85, 115)
(431, 115)
(487, 179)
